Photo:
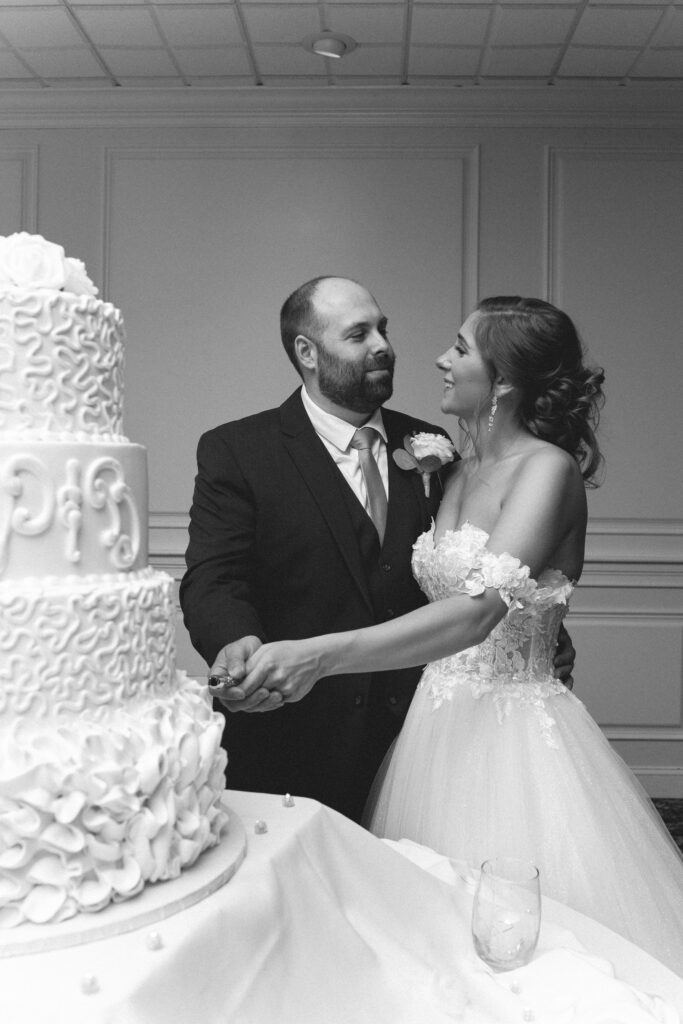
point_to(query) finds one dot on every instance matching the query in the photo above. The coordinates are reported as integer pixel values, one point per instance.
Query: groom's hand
(288, 668)
(565, 656)
(229, 669)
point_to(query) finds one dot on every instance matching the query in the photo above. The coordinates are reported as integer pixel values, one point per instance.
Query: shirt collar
(335, 430)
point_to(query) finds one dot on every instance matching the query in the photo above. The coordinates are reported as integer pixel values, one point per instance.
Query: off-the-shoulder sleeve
(460, 563)
(508, 576)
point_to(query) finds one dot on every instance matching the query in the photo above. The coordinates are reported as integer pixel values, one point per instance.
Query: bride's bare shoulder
(547, 456)
(550, 469)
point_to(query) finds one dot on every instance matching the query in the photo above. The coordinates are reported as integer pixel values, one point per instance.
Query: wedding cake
(111, 770)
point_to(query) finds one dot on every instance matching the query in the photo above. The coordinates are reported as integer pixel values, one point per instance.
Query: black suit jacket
(279, 547)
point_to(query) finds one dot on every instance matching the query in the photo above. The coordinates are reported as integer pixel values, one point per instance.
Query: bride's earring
(494, 406)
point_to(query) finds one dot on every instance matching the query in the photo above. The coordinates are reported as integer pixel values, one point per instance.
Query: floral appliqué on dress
(515, 662)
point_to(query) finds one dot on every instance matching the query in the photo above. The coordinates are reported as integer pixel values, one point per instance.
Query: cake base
(155, 903)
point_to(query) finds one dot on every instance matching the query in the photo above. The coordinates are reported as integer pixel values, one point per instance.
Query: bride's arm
(541, 507)
(444, 627)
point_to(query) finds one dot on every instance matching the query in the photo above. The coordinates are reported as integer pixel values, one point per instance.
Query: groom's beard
(353, 386)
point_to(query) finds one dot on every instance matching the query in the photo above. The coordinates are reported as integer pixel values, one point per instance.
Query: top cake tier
(61, 365)
(61, 348)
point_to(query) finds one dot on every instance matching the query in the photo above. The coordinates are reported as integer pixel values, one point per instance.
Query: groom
(291, 535)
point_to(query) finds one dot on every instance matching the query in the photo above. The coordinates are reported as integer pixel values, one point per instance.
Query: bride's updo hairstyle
(535, 347)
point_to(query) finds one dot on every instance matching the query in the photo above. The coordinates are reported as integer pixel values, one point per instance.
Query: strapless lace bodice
(515, 662)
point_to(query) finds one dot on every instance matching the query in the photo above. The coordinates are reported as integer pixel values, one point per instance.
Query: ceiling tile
(38, 28)
(291, 24)
(202, 26)
(293, 81)
(141, 81)
(331, 5)
(220, 81)
(660, 64)
(481, 4)
(527, 62)
(443, 60)
(369, 60)
(218, 61)
(670, 32)
(77, 5)
(627, 26)
(449, 25)
(277, 3)
(81, 83)
(141, 62)
(176, 42)
(367, 24)
(10, 67)
(585, 62)
(288, 60)
(127, 27)
(63, 62)
(368, 80)
(22, 83)
(526, 26)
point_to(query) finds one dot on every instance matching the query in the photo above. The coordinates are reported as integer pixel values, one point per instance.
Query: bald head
(307, 310)
(336, 336)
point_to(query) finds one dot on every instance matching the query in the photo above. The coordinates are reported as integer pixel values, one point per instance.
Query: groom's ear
(306, 352)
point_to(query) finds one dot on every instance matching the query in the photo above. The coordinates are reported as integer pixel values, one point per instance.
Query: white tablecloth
(324, 924)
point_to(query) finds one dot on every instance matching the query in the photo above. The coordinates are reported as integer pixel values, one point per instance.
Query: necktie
(377, 496)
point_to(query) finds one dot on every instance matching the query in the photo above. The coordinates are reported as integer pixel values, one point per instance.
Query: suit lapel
(407, 499)
(324, 482)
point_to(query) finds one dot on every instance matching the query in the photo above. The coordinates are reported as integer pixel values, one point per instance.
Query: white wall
(198, 218)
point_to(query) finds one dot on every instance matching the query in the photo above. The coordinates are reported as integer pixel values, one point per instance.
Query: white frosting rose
(77, 280)
(30, 261)
(424, 444)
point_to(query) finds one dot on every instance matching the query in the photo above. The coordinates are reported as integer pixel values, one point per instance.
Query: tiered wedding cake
(111, 769)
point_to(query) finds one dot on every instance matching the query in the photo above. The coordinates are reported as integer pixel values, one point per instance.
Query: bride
(497, 757)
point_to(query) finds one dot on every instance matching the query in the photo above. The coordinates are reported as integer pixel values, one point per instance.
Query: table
(321, 923)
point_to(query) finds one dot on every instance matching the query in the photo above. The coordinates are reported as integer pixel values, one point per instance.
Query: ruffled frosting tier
(92, 808)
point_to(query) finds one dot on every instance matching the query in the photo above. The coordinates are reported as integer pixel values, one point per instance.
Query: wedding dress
(498, 758)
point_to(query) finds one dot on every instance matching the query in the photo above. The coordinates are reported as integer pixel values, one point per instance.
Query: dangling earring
(494, 406)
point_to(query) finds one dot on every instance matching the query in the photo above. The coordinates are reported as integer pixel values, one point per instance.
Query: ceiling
(99, 44)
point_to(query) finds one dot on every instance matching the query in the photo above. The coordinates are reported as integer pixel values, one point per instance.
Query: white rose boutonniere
(425, 453)
(29, 261)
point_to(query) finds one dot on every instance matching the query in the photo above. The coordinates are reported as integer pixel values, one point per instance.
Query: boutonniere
(424, 453)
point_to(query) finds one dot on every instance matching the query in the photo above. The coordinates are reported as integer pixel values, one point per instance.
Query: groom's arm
(565, 656)
(216, 593)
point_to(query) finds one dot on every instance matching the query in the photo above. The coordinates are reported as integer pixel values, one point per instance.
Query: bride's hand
(290, 667)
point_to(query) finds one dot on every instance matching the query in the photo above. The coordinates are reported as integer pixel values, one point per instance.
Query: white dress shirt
(336, 434)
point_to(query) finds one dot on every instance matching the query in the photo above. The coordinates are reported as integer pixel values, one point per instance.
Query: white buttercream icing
(111, 769)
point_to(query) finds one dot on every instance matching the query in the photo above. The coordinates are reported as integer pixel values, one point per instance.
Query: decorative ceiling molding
(647, 106)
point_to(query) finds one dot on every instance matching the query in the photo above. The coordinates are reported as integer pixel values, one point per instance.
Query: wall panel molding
(664, 781)
(19, 188)
(557, 158)
(605, 605)
(652, 545)
(467, 156)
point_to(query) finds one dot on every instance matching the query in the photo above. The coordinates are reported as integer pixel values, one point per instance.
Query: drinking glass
(506, 915)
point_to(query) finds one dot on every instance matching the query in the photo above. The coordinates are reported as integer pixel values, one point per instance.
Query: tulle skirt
(476, 779)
